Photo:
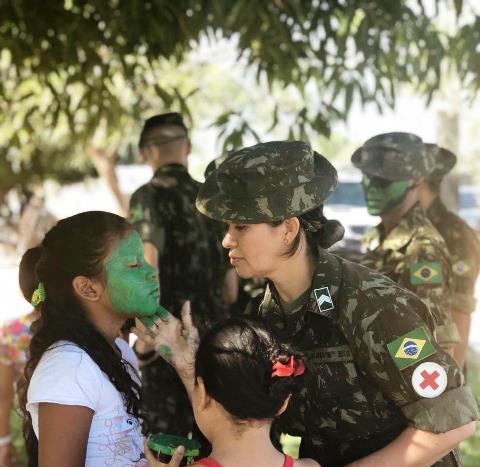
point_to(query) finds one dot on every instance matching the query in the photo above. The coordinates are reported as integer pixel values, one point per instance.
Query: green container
(163, 446)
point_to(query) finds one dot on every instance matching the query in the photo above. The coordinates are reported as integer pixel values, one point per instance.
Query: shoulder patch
(135, 214)
(429, 380)
(426, 273)
(410, 348)
(324, 299)
(461, 267)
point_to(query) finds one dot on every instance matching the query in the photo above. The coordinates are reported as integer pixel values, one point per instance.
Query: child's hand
(176, 341)
(174, 461)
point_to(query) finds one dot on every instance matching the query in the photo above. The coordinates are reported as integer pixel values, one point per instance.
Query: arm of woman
(416, 448)
(63, 434)
(425, 384)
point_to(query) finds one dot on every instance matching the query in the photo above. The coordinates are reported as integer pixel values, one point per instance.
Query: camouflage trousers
(164, 403)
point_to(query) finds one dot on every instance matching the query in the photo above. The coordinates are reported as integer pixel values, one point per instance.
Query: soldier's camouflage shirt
(464, 247)
(415, 256)
(192, 265)
(190, 257)
(364, 338)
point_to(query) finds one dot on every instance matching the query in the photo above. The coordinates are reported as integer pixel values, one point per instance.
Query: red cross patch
(429, 379)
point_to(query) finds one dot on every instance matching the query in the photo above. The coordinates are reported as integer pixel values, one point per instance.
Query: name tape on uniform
(429, 380)
(410, 348)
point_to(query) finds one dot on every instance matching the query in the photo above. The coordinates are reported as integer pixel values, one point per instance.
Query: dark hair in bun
(235, 360)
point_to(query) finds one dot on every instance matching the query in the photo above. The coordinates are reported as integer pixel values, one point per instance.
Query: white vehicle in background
(469, 205)
(347, 205)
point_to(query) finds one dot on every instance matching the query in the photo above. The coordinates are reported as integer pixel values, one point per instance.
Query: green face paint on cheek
(132, 283)
(383, 198)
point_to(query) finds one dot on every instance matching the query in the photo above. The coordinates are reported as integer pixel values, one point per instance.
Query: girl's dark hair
(76, 246)
(319, 231)
(27, 277)
(235, 360)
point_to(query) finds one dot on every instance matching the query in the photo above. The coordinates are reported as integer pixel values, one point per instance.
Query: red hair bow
(293, 367)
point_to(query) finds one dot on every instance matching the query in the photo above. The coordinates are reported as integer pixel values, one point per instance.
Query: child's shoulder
(306, 463)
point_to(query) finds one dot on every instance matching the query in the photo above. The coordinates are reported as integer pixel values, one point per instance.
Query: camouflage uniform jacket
(358, 394)
(415, 256)
(464, 247)
(191, 259)
(191, 263)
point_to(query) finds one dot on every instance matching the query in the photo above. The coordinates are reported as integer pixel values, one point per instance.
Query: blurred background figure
(461, 240)
(405, 246)
(185, 247)
(35, 220)
(104, 161)
(15, 339)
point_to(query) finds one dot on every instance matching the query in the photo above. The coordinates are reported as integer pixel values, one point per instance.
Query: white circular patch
(429, 380)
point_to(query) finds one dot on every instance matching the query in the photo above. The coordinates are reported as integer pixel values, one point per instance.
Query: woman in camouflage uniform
(462, 242)
(379, 389)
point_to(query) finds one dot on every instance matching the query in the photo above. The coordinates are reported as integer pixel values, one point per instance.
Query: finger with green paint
(175, 340)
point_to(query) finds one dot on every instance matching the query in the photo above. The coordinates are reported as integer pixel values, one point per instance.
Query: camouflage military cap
(267, 182)
(393, 156)
(443, 160)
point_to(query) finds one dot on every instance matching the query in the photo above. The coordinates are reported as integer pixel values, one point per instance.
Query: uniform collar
(403, 232)
(325, 286)
(170, 169)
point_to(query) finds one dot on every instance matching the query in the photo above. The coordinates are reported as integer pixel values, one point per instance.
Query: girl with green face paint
(92, 275)
(132, 283)
(381, 195)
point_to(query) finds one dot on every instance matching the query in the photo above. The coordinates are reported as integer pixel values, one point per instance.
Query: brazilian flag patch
(410, 348)
(136, 213)
(461, 267)
(426, 273)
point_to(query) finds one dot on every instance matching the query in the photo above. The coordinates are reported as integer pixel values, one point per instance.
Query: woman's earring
(285, 240)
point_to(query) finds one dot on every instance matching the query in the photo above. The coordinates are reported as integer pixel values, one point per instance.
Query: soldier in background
(178, 241)
(405, 246)
(461, 241)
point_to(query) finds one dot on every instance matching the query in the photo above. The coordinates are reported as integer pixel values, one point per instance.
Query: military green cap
(267, 182)
(443, 160)
(394, 156)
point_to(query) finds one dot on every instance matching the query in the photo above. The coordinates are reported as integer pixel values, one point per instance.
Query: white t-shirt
(67, 375)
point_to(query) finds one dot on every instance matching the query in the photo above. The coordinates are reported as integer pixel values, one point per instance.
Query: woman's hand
(104, 160)
(174, 461)
(176, 341)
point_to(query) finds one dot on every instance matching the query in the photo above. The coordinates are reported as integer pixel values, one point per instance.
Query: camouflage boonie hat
(267, 182)
(393, 156)
(443, 160)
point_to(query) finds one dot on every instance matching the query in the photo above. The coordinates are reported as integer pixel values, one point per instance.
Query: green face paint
(381, 195)
(165, 350)
(132, 283)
